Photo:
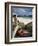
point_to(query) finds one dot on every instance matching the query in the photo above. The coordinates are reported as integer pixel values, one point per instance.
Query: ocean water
(25, 17)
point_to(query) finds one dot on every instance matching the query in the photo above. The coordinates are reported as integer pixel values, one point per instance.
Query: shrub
(29, 28)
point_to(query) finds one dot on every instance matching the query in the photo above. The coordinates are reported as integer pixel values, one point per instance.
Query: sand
(24, 20)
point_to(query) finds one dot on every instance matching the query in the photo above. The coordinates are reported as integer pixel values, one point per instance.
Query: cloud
(22, 11)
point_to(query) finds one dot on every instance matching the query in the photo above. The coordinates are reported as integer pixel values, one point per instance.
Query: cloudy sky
(21, 11)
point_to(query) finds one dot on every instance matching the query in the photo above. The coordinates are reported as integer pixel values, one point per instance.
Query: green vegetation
(27, 27)
(24, 27)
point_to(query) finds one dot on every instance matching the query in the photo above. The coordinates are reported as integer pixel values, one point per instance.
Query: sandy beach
(24, 20)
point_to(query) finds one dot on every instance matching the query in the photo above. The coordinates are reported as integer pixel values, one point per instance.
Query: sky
(21, 11)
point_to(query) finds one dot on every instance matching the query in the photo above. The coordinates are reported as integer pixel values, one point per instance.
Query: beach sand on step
(24, 20)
